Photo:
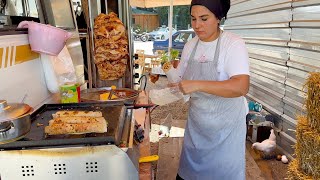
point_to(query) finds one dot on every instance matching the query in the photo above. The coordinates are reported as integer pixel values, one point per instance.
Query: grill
(87, 156)
(115, 113)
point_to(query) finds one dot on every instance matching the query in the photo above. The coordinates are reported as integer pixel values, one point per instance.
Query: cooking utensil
(124, 95)
(45, 38)
(15, 121)
(148, 159)
(115, 113)
(24, 98)
(137, 106)
(111, 92)
(12, 111)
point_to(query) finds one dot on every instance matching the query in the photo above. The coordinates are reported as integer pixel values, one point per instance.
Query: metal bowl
(15, 121)
(15, 129)
(124, 95)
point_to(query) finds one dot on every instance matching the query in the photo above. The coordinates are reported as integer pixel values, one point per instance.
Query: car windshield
(164, 29)
(161, 29)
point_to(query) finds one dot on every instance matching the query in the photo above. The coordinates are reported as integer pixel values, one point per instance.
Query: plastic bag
(63, 67)
(165, 96)
(58, 70)
(173, 76)
(49, 74)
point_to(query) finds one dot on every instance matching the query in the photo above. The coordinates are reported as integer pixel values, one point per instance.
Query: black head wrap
(219, 8)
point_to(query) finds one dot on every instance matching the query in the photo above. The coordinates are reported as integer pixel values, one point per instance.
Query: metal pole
(89, 59)
(127, 19)
(24, 8)
(170, 27)
(106, 5)
(91, 43)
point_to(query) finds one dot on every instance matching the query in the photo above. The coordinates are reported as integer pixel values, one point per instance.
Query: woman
(215, 72)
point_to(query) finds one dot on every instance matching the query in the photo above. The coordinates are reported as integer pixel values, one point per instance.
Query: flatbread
(77, 119)
(77, 113)
(78, 128)
(76, 122)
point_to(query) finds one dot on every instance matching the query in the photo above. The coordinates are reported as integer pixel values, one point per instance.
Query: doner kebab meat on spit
(111, 46)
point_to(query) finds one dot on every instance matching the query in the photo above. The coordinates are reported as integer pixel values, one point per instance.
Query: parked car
(161, 33)
(179, 39)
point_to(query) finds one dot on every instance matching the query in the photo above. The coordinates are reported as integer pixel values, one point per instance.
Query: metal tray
(114, 113)
(124, 94)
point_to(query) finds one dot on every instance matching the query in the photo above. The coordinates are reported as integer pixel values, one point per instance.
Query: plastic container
(69, 93)
(45, 38)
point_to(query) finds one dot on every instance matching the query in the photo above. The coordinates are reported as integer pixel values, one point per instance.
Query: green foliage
(181, 16)
(164, 58)
(174, 54)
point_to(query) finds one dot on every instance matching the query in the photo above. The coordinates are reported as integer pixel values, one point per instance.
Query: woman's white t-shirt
(233, 57)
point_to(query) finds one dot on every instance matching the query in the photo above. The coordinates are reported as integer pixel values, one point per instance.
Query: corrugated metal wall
(283, 41)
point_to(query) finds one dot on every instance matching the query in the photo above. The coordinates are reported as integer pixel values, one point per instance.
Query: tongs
(111, 92)
(150, 106)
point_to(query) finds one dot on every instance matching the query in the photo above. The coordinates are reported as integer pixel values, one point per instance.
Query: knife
(148, 159)
(111, 92)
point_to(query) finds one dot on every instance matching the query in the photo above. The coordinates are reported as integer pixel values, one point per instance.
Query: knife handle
(148, 158)
(111, 92)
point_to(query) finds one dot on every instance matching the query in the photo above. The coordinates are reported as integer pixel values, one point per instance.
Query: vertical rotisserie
(111, 46)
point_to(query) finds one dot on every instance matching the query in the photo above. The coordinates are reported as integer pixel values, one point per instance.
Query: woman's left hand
(188, 86)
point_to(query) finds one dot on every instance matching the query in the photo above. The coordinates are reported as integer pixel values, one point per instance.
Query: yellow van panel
(24, 54)
(18, 55)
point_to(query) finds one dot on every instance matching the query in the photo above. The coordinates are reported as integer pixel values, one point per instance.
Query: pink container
(45, 38)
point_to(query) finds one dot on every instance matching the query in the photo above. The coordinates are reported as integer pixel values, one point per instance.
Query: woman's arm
(236, 86)
(236, 66)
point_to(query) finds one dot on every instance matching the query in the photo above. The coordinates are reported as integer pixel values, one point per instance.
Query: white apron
(214, 141)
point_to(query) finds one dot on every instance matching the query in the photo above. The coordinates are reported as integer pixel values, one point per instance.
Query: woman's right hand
(174, 87)
(188, 86)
